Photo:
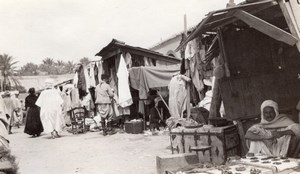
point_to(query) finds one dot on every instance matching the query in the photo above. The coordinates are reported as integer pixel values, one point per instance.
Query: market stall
(131, 75)
(255, 52)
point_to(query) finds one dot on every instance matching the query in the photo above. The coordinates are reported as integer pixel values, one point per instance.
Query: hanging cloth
(196, 78)
(100, 71)
(92, 75)
(191, 49)
(96, 74)
(125, 98)
(81, 84)
(178, 95)
(128, 60)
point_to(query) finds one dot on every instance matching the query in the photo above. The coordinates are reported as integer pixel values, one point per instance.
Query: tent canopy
(144, 78)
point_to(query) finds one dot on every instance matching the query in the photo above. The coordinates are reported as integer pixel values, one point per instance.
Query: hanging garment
(177, 95)
(96, 74)
(191, 49)
(125, 98)
(128, 60)
(87, 79)
(148, 61)
(92, 76)
(196, 78)
(50, 103)
(100, 71)
(81, 83)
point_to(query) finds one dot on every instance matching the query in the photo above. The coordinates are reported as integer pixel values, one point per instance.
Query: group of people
(44, 112)
(13, 107)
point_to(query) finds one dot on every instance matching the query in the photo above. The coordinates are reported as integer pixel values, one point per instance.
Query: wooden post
(187, 67)
(244, 148)
(215, 105)
(188, 91)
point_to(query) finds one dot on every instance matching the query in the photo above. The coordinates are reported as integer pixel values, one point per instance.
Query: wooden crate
(134, 127)
(224, 142)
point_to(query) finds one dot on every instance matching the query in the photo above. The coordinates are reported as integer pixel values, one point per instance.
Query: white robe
(50, 103)
(177, 96)
(4, 122)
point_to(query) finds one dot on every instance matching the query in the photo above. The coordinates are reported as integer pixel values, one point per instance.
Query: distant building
(38, 82)
(167, 47)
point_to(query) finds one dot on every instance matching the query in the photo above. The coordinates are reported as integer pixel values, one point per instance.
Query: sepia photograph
(150, 87)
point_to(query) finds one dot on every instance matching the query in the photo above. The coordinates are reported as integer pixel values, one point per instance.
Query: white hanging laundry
(125, 98)
(128, 60)
(92, 75)
(191, 49)
(87, 79)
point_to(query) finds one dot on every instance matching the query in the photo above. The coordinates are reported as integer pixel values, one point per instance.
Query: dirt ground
(89, 153)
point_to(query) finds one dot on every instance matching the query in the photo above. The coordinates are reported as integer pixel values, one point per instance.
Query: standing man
(104, 94)
(50, 103)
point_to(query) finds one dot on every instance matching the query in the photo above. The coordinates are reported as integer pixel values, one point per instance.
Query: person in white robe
(178, 95)
(10, 108)
(50, 103)
(3, 124)
(272, 136)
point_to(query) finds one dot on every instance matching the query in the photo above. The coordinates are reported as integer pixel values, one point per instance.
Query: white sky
(32, 30)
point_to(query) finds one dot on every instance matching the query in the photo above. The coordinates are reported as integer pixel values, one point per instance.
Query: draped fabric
(96, 74)
(81, 85)
(144, 78)
(125, 98)
(177, 96)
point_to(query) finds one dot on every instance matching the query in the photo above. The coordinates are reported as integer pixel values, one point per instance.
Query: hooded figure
(272, 136)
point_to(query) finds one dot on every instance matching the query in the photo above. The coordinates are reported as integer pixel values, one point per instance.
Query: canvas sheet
(144, 78)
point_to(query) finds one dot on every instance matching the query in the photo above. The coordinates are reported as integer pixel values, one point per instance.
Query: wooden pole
(187, 67)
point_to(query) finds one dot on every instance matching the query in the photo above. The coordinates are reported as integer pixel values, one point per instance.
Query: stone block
(175, 162)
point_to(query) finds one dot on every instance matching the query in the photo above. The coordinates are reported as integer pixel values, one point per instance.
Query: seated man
(275, 135)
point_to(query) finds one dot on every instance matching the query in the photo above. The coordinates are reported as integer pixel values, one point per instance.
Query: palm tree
(29, 69)
(59, 66)
(48, 66)
(8, 70)
(48, 61)
(69, 67)
(84, 61)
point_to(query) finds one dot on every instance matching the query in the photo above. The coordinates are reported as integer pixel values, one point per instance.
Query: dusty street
(88, 153)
